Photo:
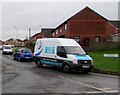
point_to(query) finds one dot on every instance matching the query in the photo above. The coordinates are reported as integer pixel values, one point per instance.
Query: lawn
(105, 64)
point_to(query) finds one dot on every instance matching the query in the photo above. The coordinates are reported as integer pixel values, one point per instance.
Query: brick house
(15, 42)
(116, 24)
(10, 41)
(20, 42)
(1, 42)
(116, 36)
(86, 26)
(36, 36)
(46, 32)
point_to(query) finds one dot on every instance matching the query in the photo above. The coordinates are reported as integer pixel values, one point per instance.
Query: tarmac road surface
(25, 77)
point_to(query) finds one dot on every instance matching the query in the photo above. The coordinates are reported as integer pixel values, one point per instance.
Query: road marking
(114, 91)
(90, 86)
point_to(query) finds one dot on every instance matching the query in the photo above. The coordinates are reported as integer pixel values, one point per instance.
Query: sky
(17, 17)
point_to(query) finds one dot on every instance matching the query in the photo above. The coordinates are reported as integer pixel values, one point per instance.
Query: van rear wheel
(66, 68)
(38, 63)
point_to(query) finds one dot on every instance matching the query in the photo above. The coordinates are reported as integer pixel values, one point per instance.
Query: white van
(62, 52)
(7, 49)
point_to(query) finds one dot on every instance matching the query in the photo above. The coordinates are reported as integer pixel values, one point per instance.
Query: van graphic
(62, 52)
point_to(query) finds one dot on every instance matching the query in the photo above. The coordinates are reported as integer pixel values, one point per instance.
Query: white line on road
(114, 91)
(90, 86)
(96, 92)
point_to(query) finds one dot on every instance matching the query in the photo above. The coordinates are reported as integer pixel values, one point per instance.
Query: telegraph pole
(29, 33)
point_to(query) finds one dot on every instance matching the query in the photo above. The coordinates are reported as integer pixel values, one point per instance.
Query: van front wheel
(38, 63)
(66, 68)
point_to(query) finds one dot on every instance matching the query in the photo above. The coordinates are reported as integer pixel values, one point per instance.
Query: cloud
(47, 14)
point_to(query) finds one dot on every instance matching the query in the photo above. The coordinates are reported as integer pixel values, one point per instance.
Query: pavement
(0, 73)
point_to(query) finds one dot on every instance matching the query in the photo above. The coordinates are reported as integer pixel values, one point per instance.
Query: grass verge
(105, 65)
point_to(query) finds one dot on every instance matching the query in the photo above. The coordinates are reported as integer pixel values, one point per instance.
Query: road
(0, 74)
(25, 77)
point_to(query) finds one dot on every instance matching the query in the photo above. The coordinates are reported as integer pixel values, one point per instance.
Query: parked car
(7, 49)
(23, 54)
(0, 47)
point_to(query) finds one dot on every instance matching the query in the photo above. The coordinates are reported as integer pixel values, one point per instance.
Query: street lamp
(16, 31)
(16, 34)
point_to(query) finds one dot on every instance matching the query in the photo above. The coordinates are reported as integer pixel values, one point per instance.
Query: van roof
(60, 41)
(7, 45)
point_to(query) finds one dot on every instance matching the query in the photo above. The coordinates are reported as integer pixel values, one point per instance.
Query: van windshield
(7, 47)
(74, 50)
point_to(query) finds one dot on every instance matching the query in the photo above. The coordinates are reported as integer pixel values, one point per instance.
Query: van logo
(85, 61)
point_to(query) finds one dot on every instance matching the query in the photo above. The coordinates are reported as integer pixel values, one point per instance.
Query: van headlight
(75, 61)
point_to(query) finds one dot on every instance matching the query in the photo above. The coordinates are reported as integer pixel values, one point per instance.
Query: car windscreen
(7, 47)
(74, 50)
(26, 51)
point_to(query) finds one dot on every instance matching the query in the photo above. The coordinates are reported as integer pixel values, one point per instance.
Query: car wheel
(38, 63)
(66, 68)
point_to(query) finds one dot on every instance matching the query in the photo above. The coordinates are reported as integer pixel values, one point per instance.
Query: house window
(65, 26)
(97, 38)
(77, 38)
(56, 31)
(53, 34)
(60, 30)
(86, 41)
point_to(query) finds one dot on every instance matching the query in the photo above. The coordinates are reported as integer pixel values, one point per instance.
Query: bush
(15, 50)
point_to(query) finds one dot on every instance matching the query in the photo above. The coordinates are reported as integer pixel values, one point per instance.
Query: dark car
(23, 54)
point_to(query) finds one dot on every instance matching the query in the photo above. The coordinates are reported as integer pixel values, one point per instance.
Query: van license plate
(85, 66)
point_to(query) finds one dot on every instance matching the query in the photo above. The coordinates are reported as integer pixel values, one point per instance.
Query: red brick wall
(87, 28)
(110, 30)
(63, 32)
(88, 23)
(87, 14)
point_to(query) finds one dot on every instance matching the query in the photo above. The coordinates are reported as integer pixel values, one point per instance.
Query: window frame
(61, 54)
(97, 39)
(65, 26)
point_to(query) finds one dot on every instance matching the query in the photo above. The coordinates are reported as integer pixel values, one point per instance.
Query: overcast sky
(21, 16)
